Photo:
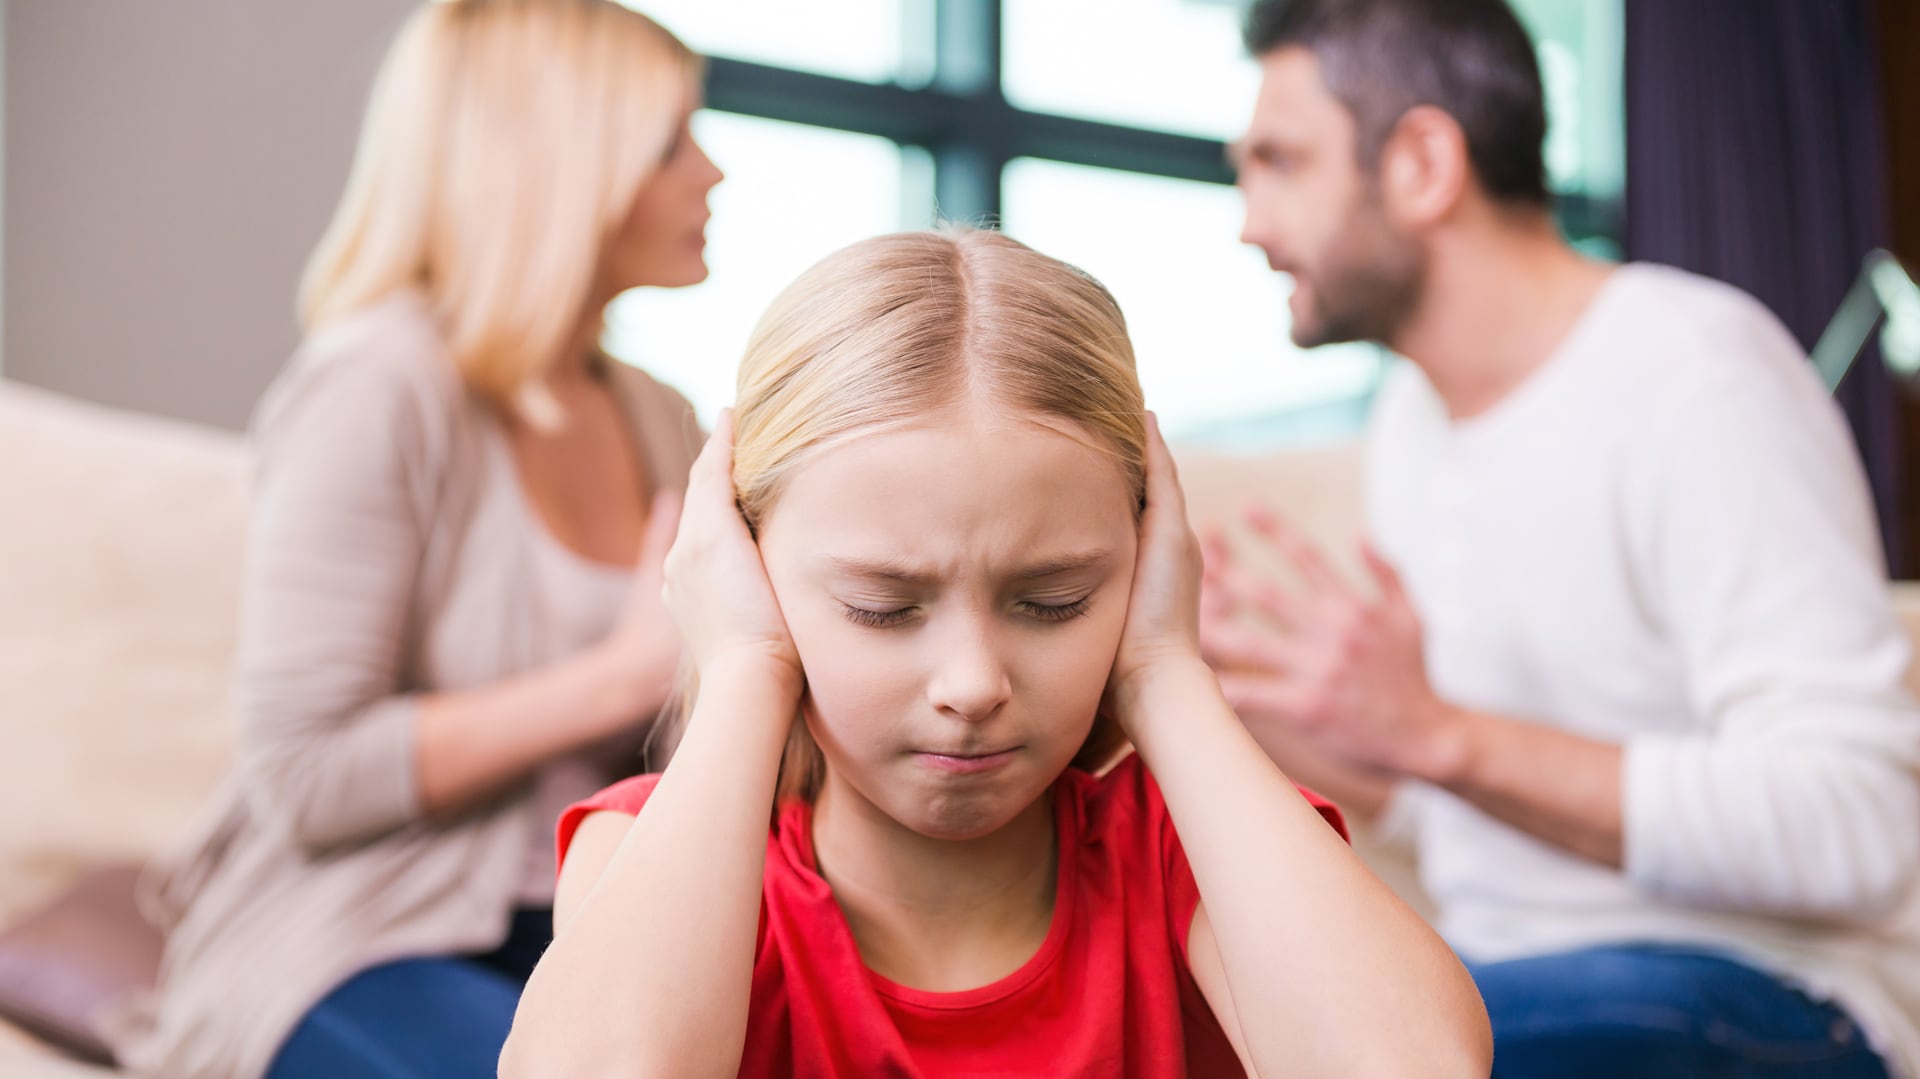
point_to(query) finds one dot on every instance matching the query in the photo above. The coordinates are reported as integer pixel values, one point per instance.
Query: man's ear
(1424, 167)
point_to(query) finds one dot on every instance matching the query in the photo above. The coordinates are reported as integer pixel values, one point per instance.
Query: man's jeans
(1654, 1012)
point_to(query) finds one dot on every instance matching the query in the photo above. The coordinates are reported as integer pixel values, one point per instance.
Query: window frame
(962, 119)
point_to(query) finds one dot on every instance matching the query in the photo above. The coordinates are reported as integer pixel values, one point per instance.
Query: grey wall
(168, 165)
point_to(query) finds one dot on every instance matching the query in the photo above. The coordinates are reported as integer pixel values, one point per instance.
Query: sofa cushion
(121, 543)
(63, 968)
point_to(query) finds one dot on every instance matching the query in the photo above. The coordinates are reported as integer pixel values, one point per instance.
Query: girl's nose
(969, 681)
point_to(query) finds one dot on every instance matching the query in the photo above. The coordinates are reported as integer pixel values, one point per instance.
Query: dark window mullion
(970, 156)
(915, 117)
(1110, 146)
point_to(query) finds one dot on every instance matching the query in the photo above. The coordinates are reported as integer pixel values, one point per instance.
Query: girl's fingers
(1163, 475)
(712, 508)
(663, 524)
(713, 468)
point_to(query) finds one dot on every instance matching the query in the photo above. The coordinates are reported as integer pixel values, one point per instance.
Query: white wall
(168, 165)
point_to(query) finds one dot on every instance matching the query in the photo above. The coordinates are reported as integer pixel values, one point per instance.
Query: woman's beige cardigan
(384, 562)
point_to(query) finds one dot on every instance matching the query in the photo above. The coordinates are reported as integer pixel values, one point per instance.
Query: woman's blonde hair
(504, 143)
(889, 329)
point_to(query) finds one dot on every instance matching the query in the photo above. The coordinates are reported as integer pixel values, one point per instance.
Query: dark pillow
(64, 965)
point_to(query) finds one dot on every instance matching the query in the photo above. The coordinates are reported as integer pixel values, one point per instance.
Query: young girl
(934, 574)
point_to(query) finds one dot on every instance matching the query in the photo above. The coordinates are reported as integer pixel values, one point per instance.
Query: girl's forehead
(986, 490)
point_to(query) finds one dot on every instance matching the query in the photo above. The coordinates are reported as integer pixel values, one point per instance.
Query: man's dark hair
(1469, 58)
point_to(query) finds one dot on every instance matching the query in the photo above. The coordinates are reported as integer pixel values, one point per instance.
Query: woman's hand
(1162, 634)
(716, 585)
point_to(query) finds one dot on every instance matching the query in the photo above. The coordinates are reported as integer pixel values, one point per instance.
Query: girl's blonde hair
(504, 143)
(882, 332)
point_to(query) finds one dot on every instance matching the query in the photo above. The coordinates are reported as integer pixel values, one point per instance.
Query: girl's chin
(959, 817)
(960, 829)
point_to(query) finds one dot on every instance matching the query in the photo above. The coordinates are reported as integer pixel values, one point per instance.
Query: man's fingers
(1305, 559)
(1236, 646)
(1233, 585)
(1215, 554)
(1385, 577)
(1262, 697)
(1259, 592)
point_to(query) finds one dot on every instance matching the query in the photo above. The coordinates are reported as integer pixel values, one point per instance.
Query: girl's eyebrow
(897, 571)
(885, 569)
(1065, 563)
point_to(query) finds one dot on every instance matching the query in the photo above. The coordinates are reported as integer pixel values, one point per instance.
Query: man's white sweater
(1663, 539)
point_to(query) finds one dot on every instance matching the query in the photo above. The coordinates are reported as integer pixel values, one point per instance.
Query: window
(1580, 45)
(1171, 65)
(1207, 318)
(792, 194)
(853, 39)
(1091, 129)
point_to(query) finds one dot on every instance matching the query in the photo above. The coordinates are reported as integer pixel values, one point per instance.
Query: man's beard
(1368, 283)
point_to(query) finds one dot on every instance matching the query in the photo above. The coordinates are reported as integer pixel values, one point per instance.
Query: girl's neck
(933, 914)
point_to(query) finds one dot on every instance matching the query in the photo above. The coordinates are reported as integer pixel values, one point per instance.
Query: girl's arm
(651, 970)
(1312, 965)
(1303, 953)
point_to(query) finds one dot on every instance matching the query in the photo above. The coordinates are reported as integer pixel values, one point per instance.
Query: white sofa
(120, 540)
(120, 550)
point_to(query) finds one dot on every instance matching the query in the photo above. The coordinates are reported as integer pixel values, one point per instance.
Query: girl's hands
(716, 586)
(644, 648)
(1162, 634)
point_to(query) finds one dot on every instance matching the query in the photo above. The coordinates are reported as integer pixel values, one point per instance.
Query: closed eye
(1043, 612)
(876, 619)
(1052, 612)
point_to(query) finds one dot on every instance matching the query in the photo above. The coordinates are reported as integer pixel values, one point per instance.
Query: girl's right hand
(716, 585)
(644, 647)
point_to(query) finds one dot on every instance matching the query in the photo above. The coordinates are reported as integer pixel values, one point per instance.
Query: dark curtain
(1755, 155)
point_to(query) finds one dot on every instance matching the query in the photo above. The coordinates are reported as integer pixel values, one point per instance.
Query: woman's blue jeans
(1654, 1012)
(431, 1018)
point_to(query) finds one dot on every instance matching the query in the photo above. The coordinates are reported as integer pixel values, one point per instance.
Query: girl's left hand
(1162, 631)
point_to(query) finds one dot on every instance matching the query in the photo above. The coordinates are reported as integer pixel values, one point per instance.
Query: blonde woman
(451, 621)
(935, 571)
